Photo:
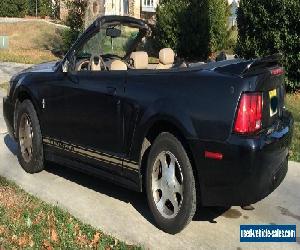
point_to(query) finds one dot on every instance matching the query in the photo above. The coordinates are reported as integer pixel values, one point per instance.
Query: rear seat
(166, 59)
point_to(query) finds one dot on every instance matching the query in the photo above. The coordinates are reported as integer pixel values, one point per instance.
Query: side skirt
(97, 172)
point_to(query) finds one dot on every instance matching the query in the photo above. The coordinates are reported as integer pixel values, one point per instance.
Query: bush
(268, 27)
(13, 8)
(192, 28)
(75, 21)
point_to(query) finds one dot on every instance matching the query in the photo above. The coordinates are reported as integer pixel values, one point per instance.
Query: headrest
(118, 65)
(166, 56)
(140, 59)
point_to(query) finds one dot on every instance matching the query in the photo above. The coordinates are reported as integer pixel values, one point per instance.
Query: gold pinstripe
(92, 154)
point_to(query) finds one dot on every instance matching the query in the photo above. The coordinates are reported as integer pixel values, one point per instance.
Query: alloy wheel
(167, 185)
(25, 137)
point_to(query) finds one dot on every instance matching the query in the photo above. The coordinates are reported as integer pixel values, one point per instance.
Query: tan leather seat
(118, 65)
(95, 63)
(140, 59)
(166, 59)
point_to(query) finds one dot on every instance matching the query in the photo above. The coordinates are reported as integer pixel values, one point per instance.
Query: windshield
(103, 44)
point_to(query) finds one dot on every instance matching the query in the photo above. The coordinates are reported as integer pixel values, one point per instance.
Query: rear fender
(163, 110)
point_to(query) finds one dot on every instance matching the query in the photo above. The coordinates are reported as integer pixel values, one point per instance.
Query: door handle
(111, 91)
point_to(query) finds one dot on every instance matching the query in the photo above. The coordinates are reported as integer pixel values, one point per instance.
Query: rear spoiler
(251, 67)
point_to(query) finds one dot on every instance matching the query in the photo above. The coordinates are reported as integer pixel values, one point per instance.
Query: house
(233, 4)
(144, 9)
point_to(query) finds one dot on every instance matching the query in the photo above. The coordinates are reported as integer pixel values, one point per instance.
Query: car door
(89, 120)
(93, 111)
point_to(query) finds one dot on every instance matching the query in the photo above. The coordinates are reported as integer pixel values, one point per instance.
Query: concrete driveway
(8, 69)
(125, 215)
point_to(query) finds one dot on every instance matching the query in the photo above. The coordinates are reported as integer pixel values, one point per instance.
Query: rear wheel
(30, 146)
(170, 184)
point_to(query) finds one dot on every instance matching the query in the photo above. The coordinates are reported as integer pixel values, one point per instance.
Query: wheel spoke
(160, 205)
(174, 202)
(164, 164)
(177, 187)
(157, 185)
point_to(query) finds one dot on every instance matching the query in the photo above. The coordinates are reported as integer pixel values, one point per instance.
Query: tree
(13, 8)
(268, 27)
(75, 21)
(193, 28)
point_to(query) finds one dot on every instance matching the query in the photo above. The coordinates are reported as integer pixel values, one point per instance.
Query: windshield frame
(144, 28)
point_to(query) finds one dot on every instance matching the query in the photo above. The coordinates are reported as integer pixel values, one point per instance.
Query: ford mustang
(215, 134)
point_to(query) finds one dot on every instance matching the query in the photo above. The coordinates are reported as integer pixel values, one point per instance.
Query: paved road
(125, 214)
(8, 69)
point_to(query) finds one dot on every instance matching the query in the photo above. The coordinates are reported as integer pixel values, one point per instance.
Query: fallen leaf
(47, 245)
(54, 236)
(23, 241)
(2, 230)
(96, 239)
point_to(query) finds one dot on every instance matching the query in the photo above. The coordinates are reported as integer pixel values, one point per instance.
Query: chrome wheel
(25, 137)
(167, 185)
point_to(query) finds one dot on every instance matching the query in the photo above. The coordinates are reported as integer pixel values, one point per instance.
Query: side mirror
(65, 66)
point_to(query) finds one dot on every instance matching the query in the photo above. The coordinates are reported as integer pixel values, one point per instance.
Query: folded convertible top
(243, 67)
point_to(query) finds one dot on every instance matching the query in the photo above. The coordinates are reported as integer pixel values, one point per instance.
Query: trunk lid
(264, 75)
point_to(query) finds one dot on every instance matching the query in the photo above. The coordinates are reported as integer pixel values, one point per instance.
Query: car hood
(43, 67)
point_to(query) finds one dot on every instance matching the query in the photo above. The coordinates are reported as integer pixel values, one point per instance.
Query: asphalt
(125, 215)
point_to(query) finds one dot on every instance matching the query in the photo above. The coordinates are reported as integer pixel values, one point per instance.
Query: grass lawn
(293, 104)
(26, 222)
(31, 42)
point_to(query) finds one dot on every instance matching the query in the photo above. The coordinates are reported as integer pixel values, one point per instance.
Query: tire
(31, 158)
(180, 190)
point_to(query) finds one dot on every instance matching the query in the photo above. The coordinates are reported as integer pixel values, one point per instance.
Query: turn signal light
(249, 114)
(277, 71)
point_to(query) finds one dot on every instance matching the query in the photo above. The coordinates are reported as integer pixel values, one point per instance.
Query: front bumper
(251, 169)
(8, 113)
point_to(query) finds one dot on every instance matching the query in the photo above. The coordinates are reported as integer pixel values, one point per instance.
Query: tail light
(249, 114)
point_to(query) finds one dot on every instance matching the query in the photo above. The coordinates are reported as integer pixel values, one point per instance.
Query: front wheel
(30, 145)
(170, 184)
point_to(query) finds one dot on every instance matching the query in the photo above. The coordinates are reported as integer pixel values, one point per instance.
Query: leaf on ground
(82, 240)
(47, 245)
(96, 239)
(54, 236)
(2, 230)
(23, 241)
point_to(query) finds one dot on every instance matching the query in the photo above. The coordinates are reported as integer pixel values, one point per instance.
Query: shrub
(192, 28)
(13, 8)
(268, 27)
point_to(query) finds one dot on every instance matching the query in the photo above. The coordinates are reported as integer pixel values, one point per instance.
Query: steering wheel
(82, 65)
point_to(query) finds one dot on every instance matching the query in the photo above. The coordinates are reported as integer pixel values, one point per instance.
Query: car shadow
(11, 144)
(137, 200)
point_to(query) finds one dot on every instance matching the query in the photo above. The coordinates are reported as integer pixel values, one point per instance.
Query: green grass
(293, 104)
(28, 223)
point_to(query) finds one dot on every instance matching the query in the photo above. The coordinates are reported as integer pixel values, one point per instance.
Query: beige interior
(95, 66)
(166, 59)
(118, 65)
(140, 59)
